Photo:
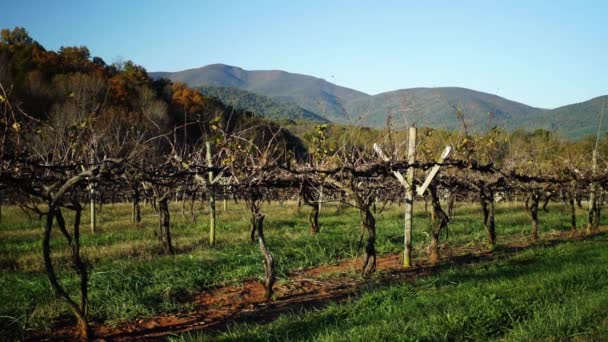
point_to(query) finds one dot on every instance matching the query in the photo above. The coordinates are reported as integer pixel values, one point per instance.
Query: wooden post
(320, 198)
(593, 223)
(409, 189)
(224, 198)
(594, 206)
(211, 197)
(434, 171)
(408, 184)
(409, 199)
(93, 216)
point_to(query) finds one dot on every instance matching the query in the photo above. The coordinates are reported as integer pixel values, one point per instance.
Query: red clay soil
(312, 288)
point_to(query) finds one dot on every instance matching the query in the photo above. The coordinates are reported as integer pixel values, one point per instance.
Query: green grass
(556, 293)
(129, 278)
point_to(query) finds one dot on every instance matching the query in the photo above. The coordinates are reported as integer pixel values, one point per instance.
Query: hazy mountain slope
(576, 120)
(437, 107)
(313, 94)
(433, 107)
(259, 104)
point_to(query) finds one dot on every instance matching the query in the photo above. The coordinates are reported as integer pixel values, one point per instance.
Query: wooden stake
(320, 198)
(409, 199)
(211, 197)
(593, 223)
(408, 183)
(434, 170)
(224, 198)
(93, 216)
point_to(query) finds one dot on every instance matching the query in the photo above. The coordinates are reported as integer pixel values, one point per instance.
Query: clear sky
(542, 53)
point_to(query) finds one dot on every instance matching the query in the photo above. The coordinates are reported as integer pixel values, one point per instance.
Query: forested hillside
(260, 104)
(69, 88)
(577, 120)
(313, 94)
(439, 108)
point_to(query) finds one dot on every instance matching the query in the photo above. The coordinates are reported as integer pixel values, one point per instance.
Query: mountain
(576, 120)
(437, 108)
(432, 107)
(313, 94)
(260, 104)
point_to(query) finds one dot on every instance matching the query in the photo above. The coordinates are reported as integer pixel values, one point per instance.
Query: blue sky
(542, 53)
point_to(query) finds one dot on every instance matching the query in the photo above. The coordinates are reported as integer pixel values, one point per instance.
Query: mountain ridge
(260, 104)
(311, 93)
(435, 107)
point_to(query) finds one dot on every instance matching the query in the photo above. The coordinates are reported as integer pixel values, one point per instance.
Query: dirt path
(312, 288)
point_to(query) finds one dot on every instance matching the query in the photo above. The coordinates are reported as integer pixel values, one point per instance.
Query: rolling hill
(260, 104)
(437, 108)
(284, 92)
(313, 94)
(576, 120)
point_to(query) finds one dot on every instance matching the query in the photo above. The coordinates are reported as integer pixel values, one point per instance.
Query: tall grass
(557, 293)
(130, 279)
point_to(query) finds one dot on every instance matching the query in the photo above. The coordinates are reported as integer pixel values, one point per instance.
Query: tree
(16, 36)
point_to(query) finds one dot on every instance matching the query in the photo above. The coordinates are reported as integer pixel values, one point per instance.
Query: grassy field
(547, 294)
(130, 279)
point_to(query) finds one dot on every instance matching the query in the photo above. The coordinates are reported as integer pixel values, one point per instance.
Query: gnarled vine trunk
(257, 222)
(439, 222)
(571, 197)
(364, 200)
(593, 221)
(451, 202)
(136, 215)
(486, 198)
(368, 223)
(313, 219)
(548, 196)
(252, 228)
(579, 200)
(312, 199)
(80, 311)
(164, 234)
(269, 276)
(533, 209)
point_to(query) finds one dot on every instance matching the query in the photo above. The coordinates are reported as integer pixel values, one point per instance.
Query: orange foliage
(186, 100)
(120, 90)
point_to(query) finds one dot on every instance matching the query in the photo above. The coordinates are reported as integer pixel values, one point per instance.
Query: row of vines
(48, 169)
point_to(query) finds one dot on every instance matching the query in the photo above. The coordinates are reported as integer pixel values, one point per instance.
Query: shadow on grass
(512, 268)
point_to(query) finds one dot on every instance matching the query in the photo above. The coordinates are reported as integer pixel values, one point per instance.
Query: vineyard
(52, 177)
(180, 214)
